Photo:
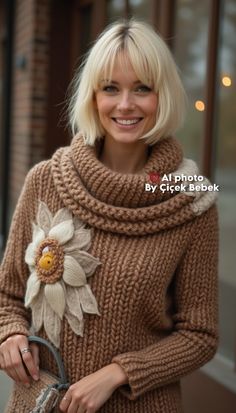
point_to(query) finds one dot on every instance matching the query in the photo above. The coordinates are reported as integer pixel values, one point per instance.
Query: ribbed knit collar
(118, 202)
(123, 190)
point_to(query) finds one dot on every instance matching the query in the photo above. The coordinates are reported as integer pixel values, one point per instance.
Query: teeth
(127, 121)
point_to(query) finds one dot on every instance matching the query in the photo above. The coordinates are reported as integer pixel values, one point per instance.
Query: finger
(9, 373)
(76, 407)
(29, 363)
(8, 367)
(35, 354)
(2, 364)
(17, 364)
(65, 402)
(80, 409)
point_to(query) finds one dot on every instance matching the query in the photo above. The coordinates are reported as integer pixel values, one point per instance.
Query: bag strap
(55, 353)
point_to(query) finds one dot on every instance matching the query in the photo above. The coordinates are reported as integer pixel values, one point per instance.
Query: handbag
(44, 395)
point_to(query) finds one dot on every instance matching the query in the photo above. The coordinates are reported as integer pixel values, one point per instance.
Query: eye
(109, 88)
(143, 89)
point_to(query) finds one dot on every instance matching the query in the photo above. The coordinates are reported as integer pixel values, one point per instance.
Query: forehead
(121, 69)
(120, 73)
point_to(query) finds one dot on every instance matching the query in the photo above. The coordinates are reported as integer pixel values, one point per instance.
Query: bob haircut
(153, 64)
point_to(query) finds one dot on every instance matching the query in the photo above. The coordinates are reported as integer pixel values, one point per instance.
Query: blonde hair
(153, 65)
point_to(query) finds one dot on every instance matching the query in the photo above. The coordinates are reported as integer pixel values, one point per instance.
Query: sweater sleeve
(14, 317)
(194, 340)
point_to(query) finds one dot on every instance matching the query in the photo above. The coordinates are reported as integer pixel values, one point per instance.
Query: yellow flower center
(47, 260)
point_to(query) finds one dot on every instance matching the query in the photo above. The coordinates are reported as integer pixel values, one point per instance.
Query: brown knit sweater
(155, 287)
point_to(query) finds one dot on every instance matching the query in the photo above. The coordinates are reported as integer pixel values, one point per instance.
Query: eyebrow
(117, 83)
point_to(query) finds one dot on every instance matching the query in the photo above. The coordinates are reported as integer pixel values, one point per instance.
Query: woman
(120, 269)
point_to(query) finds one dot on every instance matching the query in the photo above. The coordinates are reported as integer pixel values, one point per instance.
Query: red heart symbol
(154, 177)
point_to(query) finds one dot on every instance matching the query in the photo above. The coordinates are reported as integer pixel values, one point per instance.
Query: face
(126, 107)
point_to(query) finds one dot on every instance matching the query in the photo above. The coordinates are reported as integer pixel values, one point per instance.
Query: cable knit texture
(156, 287)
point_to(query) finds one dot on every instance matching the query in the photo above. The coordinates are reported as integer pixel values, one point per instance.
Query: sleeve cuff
(13, 329)
(133, 389)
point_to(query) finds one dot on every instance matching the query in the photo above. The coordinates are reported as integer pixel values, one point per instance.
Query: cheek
(103, 105)
(151, 106)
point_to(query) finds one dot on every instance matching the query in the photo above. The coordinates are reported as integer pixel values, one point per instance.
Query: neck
(127, 158)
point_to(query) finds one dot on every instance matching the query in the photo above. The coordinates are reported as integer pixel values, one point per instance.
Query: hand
(14, 363)
(91, 392)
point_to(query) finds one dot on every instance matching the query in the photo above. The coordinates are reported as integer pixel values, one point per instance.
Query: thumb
(35, 354)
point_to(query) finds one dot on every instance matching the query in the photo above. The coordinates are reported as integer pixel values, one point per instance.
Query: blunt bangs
(138, 43)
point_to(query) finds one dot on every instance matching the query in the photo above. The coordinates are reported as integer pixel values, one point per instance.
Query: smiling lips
(127, 122)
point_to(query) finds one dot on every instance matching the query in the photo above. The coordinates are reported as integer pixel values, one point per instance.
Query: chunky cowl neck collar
(118, 202)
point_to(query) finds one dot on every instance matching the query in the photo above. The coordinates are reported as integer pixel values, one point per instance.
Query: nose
(125, 102)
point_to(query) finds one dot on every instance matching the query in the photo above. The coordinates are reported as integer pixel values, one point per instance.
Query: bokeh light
(226, 81)
(200, 105)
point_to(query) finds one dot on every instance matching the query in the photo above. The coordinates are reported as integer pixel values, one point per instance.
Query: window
(190, 49)
(226, 178)
(115, 9)
(191, 43)
(141, 9)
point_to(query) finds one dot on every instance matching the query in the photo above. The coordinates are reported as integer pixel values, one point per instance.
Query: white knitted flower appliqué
(59, 264)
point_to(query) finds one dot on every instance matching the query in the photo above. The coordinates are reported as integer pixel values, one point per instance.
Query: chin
(126, 138)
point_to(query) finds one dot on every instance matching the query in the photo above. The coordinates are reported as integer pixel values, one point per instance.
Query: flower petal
(32, 289)
(37, 307)
(74, 274)
(78, 223)
(52, 324)
(81, 240)
(61, 216)
(62, 232)
(87, 261)
(30, 254)
(73, 302)
(44, 217)
(55, 296)
(87, 300)
(76, 325)
(38, 235)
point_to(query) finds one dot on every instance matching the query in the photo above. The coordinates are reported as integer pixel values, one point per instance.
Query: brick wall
(30, 89)
(2, 37)
(2, 40)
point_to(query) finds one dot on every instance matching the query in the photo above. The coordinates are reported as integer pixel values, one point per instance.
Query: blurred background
(41, 44)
